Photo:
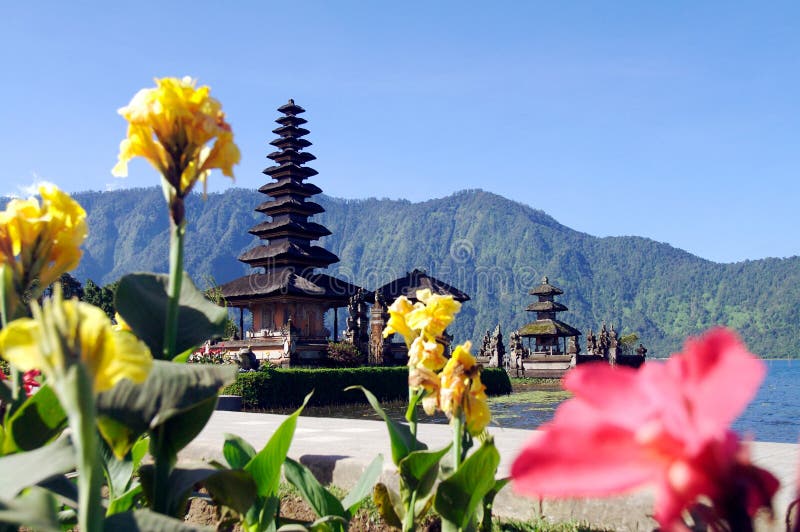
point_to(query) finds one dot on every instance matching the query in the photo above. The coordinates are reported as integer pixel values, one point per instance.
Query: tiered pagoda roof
(546, 324)
(289, 232)
(287, 257)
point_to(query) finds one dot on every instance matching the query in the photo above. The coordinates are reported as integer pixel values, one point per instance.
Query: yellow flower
(433, 316)
(63, 333)
(171, 126)
(420, 377)
(462, 392)
(429, 355)
(397, 319)
(39, 241)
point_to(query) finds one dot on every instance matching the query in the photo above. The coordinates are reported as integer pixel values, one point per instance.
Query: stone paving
(338, 450)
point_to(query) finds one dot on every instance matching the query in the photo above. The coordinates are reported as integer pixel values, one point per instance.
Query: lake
(774, 414)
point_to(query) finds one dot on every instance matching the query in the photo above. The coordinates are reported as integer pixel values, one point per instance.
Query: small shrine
(286, 296)
(607, 345)
(548, 334)
(386, 351)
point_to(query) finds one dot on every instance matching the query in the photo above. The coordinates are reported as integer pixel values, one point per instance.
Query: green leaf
(236, 451)
(35, 510)
(64, 489)
(141, 300)
(235, 489)
(21, 470)
(419, 469)
(147, 521)
(403, 442)
(128, 410)
(352, 501)
(488, 503)
(459, 495)
(321, 500)
(266, 465)
(389, 505)
(126, 501)
(178, 431)
(39, 420)
(118, 472)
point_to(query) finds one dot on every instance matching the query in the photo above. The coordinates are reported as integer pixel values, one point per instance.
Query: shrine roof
(548, 327)
(409, 284)
(545, 289)
(546, 306)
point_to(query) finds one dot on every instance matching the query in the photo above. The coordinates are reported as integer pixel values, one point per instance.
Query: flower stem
(177, 233)
(78, 398)
(458, 438)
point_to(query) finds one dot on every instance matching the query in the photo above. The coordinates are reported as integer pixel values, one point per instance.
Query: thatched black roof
(545, 289)
(419, 280)
(285, 281)
(548, 328)
(546, 306)
(288, 253)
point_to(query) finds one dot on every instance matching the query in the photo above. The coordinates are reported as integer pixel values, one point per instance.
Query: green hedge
(286, 387)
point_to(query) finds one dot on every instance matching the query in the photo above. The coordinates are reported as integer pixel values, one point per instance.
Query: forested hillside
(490, 247)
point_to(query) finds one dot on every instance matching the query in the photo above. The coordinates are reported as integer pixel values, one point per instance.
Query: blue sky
(678, 121)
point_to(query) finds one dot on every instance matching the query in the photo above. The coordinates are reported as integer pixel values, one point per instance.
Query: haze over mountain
(491, 247)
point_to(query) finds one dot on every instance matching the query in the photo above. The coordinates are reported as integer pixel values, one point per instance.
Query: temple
(548, 333)
(287, 297)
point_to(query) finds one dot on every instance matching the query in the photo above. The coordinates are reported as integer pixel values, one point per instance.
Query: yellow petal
(20, 346)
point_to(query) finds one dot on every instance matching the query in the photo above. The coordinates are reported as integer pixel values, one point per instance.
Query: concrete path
(338, 450)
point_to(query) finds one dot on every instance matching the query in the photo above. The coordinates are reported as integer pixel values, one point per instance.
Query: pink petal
(720, 377)
(614, 393)
(566, 462)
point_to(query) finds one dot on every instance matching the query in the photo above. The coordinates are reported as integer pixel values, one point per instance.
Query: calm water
(774, 415)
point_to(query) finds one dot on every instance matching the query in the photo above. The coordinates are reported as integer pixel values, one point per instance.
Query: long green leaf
(419, 470)
(129, 410)
(147, 521)
(126, 501)
(403, 442)
(389, 505)
(179, 431)
(40, 419)
(35, 510)
(352, 501)
(459, 495)
(22, 470)
(320, 499)
(235, 489)
(236, 451)
(266, 465)
(141, 300)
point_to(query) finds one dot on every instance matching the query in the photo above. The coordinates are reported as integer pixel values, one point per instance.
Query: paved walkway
(338, 450)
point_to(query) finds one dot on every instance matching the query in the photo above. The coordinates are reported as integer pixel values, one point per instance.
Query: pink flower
(30, 381)
(665, 424)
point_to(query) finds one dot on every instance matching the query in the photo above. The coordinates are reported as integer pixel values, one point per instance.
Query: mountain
(490, 247)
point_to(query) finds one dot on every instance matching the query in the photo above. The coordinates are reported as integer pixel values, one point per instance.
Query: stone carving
(247, 360)
(497, 350)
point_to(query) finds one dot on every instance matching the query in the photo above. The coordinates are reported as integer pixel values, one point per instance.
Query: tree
(102, 297)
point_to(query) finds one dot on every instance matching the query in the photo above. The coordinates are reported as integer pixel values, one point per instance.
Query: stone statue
(573, 347)
(591, 342)
(603, 342)
(641, 351)
(496, 349)
(247, 360)
(485, 348)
